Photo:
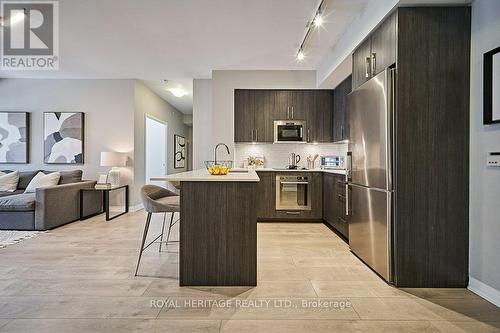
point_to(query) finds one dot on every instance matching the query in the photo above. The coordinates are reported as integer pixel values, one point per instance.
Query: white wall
(109, 120)
(225, 81)
(276, 156)
(202, 122)
(114, 121)
(484, 182)
(147, 102)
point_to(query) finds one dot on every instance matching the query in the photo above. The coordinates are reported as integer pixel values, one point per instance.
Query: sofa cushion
(25, 178)
(4, 194)
(8, 181)
(68, 177)
(24, 202)
(42, 180)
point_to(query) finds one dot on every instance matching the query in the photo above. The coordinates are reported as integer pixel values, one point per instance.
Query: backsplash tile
(276, 155)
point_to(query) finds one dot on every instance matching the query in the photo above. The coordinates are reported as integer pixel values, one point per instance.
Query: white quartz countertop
(202, 175)
(335, 171)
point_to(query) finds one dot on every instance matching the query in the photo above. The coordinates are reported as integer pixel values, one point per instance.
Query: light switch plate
(493, 159)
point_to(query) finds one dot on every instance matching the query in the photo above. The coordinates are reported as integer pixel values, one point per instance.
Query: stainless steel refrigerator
(370, 156)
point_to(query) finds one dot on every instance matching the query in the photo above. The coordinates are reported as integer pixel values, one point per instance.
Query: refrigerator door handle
(367, 67)
(391, 100)
(346, 199)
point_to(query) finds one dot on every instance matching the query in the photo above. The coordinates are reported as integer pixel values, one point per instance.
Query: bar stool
(156, 199)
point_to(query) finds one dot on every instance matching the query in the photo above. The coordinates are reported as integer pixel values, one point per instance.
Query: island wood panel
(432, 143)
(218, 234)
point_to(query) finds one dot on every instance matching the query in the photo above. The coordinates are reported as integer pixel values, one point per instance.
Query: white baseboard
(135, 208)
(488, 293)
(130, 208)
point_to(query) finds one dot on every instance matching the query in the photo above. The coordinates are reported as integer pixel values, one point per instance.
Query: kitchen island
(218, 228)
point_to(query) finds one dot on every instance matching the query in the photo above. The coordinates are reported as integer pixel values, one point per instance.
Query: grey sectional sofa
(49, 207)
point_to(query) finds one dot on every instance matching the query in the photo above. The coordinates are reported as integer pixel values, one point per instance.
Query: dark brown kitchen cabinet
(430, 47)
(281, 108)
(263, 111)
(319, 120)
(265, 193)
(361, 63)
(244, 116)
(376, 52)
(253, 111)
(383, 46)
(334, 202)
(256, 110)
(340, 128)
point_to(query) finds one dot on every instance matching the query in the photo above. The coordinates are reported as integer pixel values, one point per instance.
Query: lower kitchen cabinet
(265, 193)
(334, 202)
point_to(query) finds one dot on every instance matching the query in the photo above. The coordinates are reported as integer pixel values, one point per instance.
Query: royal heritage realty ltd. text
(250, 303)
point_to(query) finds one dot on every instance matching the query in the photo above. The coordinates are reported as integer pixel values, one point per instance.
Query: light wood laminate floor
(80, 278)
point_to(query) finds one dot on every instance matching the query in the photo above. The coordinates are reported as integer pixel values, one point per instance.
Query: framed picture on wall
(179, 151)
(63, 134)
(14, 137)
(491, 87)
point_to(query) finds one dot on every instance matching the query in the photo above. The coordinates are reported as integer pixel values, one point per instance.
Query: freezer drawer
(369, 227)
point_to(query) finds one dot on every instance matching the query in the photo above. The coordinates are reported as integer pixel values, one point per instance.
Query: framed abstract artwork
(14, 137)
(63, 134)
(179, 151)
(491, 98)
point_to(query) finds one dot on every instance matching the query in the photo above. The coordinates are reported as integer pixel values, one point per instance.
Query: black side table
(105, 201)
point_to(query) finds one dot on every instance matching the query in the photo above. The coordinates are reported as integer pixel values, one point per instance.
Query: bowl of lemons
(218, 168)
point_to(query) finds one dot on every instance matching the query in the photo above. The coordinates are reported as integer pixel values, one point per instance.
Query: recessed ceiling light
(178, 92)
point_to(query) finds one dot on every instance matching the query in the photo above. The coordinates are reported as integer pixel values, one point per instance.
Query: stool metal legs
(145, 234)
(170, 226)
(162, 231)
(146, 227)
(169, 230)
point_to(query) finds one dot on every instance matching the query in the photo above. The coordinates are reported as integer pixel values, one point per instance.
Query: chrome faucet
(215, 151)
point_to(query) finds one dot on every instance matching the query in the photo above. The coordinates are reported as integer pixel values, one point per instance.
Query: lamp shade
(113, 159)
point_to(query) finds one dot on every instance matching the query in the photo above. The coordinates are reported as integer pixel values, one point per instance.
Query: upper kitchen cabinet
(256, 110)
(375, 53)
(264, 103)
(253, 110)
(319, 120)
(383, 41)
(340, 128)
(361, 63)
(244, 116)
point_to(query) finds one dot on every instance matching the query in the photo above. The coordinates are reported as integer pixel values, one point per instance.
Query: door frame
(150, 116)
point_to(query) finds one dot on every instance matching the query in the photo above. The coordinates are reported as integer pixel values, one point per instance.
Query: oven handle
(294, 183)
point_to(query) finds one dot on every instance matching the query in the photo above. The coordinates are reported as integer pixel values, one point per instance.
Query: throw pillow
(43, 180)
(8, 181)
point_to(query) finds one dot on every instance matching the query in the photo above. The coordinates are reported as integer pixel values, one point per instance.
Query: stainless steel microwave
(289, 131)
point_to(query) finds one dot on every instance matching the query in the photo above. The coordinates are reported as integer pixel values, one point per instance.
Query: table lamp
(113, 160)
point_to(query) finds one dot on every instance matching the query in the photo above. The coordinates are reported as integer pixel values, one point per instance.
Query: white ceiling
(161, 88)
(180, 40)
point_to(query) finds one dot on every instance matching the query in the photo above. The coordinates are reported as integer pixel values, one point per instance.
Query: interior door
(369, 227)
(369, 139)
(156, 149)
